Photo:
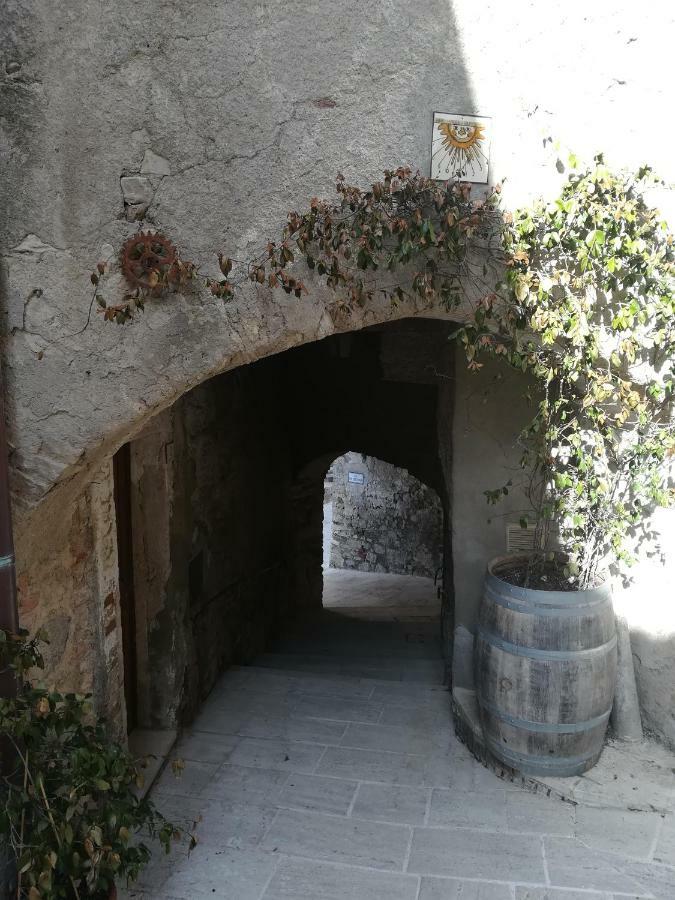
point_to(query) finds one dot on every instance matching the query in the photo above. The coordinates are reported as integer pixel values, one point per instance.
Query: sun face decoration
(460, 148)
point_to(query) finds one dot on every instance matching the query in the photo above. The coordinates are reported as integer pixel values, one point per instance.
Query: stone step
(268, 680)
(414, 646)
(393, 668)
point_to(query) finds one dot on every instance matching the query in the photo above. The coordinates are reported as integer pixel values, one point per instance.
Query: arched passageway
(382, 564)
(226, 498)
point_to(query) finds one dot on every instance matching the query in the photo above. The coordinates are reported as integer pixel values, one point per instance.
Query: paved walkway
(330, 771)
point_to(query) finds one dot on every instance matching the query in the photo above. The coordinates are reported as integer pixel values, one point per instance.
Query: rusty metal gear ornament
(146, 260)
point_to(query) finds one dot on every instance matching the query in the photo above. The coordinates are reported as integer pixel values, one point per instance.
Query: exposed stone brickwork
(384, 519)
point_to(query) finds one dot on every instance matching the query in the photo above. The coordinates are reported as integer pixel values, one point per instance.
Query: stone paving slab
(304, 880)
(322, 837)
(323, 794)
(365, 793)
(399, 738)
(286, 756)
(630, 834)
(391, 803)
(292, 728)
(387, 668)
(373, 765)
(246, 785)
(571, 864)
(664, 851)
(545, 893)
(243, 875)
(476, 854)
(456, 889)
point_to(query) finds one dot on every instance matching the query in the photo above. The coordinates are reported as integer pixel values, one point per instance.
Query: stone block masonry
(383, 519)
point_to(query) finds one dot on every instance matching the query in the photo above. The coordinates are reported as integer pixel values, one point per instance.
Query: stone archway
(273, 426)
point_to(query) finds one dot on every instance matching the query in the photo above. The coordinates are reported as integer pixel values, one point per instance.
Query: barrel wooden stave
(546, 669)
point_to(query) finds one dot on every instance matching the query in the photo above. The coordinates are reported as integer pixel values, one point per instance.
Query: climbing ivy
(576, 293)
(586, 306)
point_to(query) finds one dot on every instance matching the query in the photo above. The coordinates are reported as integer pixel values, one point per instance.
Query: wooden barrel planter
(545, 673)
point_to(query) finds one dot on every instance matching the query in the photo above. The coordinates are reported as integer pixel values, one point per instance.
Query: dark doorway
(122, 479)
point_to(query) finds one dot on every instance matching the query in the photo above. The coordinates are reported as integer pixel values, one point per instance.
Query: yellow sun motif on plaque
(460, 145)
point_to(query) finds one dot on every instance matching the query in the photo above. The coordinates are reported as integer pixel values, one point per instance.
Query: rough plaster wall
(67, 584)
(648, 606)
(490, 410)
(225, 119)
(390, 523)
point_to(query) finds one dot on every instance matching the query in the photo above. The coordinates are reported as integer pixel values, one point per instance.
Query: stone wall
(209, 512)
(68, 586)
(386, 522)
(228, 495)
(215, 125)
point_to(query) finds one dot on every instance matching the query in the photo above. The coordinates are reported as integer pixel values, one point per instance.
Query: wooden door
(122, 481)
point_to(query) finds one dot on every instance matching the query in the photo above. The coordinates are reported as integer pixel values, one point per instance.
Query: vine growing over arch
(577, 293)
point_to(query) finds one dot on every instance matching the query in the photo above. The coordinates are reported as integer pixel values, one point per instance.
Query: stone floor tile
(336, 709)
(411, 694)
(336, 839)
(391, 803)
(219, 714)
(454, 889)
(231, 824)
(456, 771)
(468, 809)
(623, 787)
(464, 853)
(665, 845)
(286, 756)
(305, 880)
(400, 738)
(527, 812)
(292, 728)
(183, 812)
(547, 893)
(206, 747)
(373, 765)
(572, 865)
(226, 874)
(246, 785)
(330, 795)
(617, 830)
(190, 780)
(310, 683)
(486, 780)
(659, 880)
(414, 717)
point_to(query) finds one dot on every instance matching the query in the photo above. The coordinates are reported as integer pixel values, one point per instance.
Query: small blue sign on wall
(356, 478)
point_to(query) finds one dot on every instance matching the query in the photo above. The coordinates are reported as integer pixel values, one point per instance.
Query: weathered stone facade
(226, 506)
(383, 519)
(211, 124)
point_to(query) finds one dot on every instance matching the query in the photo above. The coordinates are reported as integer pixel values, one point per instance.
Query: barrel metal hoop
(544, 727)
(561, 765)
(527, 607)
(514, 592)
(535, 653)
(6, 561)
